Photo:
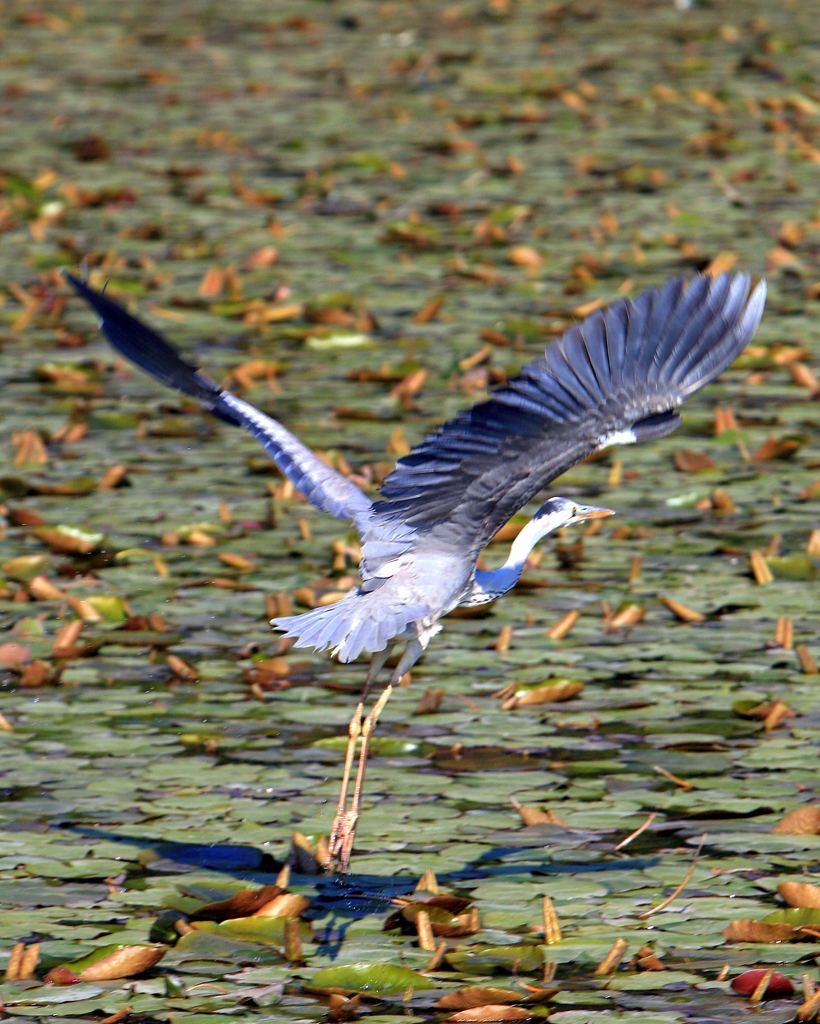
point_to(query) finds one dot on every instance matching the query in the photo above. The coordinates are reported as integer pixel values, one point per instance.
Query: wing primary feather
(623, 369)
(328, 490)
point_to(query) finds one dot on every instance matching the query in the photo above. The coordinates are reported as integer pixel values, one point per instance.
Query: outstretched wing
(614, 378)
(321, 485)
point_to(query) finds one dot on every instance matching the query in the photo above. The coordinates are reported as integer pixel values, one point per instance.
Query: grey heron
(614, 378)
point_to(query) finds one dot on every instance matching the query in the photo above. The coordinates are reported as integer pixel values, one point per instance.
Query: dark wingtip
(149, 350)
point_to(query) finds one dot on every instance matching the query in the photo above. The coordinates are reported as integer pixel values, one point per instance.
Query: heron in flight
(615, 378)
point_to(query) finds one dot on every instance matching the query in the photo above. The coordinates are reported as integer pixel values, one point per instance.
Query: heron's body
(615, 378)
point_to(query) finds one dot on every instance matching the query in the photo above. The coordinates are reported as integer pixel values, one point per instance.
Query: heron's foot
(343, 830)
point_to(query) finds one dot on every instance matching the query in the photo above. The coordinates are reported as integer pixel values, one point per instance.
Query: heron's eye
(575, 510)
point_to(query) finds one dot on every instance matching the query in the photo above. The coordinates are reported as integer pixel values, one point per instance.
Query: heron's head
(563, 512)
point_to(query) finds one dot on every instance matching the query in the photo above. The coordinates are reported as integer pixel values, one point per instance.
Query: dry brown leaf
(37, 673)
(397, 444)
(236, 561)
(800, 894)
(429, 311)
(804, 377)
(588, 307)
(263, 257)
(760, 569)
(481, 356)
(286, 904)
(30, 448)
(409, 386)
(724, 261)
(343, 1008)
(200, 539)
(757, 931)
(808, 666)
(525, 256)
(114, 476)
(547, 694)
(25, 517)
(722, 501)
(502, 644)
(490, 1012)
(66, 638)
(14, 654)
(802, 821)
(724, 420)
(687, 461)
(475, 995)
(772, 448)
(430, 701)
(564, 625)
(87, 612)
(124, 963)
(791, 234)
(779, 257)
(684, 613)
(244, 903)
(42, 589)
(612, 959)
(535, 816)
(631, 615)
(181, 669)
(211, 285)
(65, 543)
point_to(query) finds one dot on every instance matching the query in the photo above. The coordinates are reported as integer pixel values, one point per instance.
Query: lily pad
(370, 979)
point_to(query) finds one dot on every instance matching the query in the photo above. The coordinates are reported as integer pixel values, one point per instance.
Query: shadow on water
(352, 895)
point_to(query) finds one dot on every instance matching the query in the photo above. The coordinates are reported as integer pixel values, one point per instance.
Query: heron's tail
(359, 621)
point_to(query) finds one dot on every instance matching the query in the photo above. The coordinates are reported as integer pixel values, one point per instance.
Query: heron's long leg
(346, 833)
(354, 730)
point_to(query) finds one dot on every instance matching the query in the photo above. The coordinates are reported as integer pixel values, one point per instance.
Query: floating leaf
(26, 567)
(793, 567)
(490, 1012)
(382, 746)
(475, 995)
(757, 931)
(554, 690)
(244, 903)
(800, 894)
(116, 961)
(267, 930)
(14, 654)
(491, 959)
(371, 979)
(801, 821)
(331, 341)
(797, 917)
(110, 607)
(778, 986)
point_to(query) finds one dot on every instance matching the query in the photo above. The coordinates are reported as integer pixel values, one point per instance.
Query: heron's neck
(489, 585)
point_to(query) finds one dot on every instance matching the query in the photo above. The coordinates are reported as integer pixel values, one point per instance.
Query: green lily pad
(371, 979)
(267, 930)
(111, 607)
(793, 567)
(382, 746)
(519, 959)
(26, 567)
(797, 917)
